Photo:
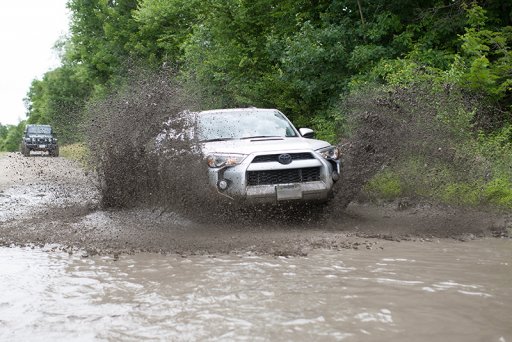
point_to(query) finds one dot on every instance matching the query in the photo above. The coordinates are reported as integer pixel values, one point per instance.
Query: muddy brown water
(442, 291)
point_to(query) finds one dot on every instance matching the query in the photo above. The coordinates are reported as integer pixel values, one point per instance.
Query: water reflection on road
(448, 291)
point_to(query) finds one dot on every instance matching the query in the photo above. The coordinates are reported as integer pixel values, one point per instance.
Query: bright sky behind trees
(28, 32)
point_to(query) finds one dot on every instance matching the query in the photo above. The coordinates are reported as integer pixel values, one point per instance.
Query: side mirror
(307, 133)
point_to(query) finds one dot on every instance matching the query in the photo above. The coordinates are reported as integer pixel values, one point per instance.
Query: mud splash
(138, 165)
(386, 127)
(121, 133)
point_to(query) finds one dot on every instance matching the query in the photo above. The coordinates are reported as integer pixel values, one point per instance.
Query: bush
(384, 186)
(499, 192)
(77, 152)
(461, 194)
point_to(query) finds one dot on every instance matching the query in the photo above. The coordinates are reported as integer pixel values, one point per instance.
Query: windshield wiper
(261, 136)
(244, 138)
(217, 139)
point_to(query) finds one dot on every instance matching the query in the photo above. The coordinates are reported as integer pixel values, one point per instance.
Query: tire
(55, 153)
(25, 151)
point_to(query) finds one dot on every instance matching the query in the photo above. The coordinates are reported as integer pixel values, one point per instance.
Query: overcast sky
(28, 31)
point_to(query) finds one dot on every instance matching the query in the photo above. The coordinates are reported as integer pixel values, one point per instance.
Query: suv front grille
(272, 177)
(274, 157)
(40, 140)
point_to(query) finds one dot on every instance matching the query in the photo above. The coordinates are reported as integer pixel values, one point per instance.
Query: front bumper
(272, 182)
(41, 147)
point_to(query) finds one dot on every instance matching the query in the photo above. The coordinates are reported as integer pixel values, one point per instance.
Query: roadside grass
(391, 185)
(77, 152)
(384, 186)
(477, 172)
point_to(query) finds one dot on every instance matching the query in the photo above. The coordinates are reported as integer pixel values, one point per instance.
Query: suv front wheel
(25, 151)
(55, 152)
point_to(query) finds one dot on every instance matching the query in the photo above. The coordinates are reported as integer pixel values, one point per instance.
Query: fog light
(222, 184)
(335, 176)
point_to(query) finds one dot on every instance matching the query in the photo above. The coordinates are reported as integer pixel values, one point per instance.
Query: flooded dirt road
(71, 271)
(52, 201)
(407, 291)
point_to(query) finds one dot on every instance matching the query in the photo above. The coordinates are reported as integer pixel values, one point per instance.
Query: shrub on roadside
(385, 185)
(77, 152)
(465, 194)
(498, 192)
(393, 184)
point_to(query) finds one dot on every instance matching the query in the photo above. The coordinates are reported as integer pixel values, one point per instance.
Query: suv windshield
(39, 129)
(219, 125)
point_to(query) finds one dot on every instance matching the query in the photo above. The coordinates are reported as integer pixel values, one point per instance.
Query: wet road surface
(53, 201)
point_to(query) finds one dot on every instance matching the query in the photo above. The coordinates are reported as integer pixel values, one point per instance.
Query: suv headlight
(222, 159)
(331, 152)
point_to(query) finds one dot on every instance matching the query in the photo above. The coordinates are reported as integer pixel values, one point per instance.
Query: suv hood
(265, 145)
(40, 136)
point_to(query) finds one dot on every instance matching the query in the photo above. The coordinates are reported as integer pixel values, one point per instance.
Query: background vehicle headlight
(331, 152)
(220, 160)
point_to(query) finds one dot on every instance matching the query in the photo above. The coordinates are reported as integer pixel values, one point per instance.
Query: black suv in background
(39, 138)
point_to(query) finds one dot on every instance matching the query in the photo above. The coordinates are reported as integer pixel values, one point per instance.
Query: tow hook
(335, 176)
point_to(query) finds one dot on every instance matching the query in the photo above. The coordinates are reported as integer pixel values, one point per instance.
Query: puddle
(414, 291)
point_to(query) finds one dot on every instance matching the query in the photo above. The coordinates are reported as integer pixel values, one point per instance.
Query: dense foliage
(10, 136)
(303, 57)
(298, 56)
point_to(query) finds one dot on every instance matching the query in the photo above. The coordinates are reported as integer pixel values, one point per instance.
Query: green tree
(163, 27)
(10, 137)
(101, 31)
(3, 131)
(58, 99)
(487, 55)
(298, 56)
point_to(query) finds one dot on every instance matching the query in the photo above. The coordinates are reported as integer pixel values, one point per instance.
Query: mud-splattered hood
(40, 136)
(257, 145)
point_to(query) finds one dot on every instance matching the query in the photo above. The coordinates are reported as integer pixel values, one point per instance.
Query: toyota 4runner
(258, 156)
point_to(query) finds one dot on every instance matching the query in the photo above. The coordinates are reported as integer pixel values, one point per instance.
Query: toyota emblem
(285, 159)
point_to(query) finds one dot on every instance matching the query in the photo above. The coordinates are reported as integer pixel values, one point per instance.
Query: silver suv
(259, 156)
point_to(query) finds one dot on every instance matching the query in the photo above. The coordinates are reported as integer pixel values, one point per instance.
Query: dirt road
(53, 201)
